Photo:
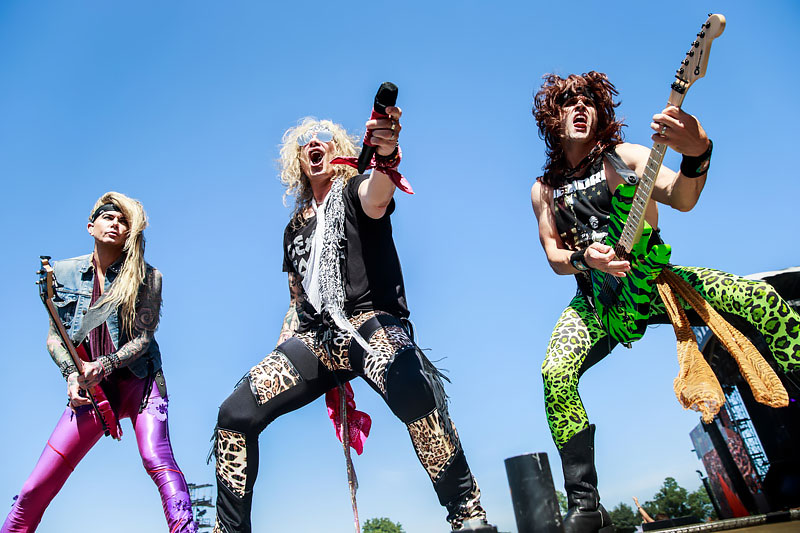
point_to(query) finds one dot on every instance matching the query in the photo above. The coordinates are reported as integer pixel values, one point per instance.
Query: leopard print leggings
(302, 369)
(579, 340)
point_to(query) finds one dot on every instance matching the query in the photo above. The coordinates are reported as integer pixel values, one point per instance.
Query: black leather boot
(466, 514)
(585, 514)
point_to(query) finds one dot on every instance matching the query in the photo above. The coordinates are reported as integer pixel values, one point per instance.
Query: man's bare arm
(683, 133)
(376, 191)
(59, 352)
(557, 253)
(597, 256)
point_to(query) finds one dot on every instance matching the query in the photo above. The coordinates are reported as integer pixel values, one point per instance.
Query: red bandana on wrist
(398, 179)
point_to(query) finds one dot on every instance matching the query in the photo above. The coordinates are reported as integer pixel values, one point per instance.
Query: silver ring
(663, 130)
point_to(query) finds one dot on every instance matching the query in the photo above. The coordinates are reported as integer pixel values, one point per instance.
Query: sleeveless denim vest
(75, 278)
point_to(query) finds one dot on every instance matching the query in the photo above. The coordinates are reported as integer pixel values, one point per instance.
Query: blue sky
(182, 105)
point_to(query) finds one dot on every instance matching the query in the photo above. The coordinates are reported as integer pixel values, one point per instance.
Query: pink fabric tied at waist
(358, 422)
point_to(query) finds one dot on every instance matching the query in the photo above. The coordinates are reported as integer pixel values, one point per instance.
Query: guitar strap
(622, 169)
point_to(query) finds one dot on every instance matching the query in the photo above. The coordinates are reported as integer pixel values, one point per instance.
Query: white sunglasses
(323, 135)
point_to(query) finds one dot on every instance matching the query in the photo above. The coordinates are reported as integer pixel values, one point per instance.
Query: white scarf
(323, 282)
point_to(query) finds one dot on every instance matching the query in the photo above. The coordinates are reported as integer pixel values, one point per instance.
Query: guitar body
(623, 304)
(102, 407)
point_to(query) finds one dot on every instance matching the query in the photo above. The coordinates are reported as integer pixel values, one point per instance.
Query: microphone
(385, 97)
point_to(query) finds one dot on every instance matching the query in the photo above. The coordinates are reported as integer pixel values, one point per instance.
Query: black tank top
(582, 206)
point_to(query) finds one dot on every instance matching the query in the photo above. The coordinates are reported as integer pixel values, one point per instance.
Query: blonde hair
(292, 176)
(125, 289)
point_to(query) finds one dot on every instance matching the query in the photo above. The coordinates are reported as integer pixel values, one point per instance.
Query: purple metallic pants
(74, 436)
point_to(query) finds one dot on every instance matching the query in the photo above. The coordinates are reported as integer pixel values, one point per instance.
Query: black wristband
(696, 166)
(109, 363)
(67, 368)
(578, 261)
(391, 160)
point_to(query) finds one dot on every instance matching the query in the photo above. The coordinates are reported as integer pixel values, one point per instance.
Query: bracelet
(388, 161)
(578, 261)
(697, 165)
(109, 363)
(67, 368)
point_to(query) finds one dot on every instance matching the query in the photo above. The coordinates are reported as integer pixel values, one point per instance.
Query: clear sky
(182, 105)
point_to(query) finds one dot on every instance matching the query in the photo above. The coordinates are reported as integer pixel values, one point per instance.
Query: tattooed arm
(148, 312)
(59, 352)
(292, 319)
(68, 369)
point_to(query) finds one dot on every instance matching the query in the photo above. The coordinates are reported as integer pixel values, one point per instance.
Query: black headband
(102, 209)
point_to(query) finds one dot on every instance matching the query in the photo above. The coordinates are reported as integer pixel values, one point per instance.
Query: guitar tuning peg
(702, 34)
(691, 54)
(696, 44)
(40, 271)
(681, 71)
(44, 257)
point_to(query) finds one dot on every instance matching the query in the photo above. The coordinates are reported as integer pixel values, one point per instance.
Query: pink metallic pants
(74, 436)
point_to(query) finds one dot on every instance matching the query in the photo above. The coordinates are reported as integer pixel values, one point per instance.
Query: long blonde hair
(125, 289)
(292, 176)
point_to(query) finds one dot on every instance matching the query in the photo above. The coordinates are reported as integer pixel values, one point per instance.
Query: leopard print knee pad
(436, 442)
(231, 454)
(272, 376)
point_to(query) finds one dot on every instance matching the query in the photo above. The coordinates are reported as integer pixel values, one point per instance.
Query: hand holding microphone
(383, 127)
(383, 130)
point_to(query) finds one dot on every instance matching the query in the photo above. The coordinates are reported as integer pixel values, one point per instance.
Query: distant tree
(624, 519)
(562, 502)
(382, 525)
(674, 500)
(701, 504)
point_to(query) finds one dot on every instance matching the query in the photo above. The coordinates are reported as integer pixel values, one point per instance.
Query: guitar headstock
(693, 67)
(47, 279)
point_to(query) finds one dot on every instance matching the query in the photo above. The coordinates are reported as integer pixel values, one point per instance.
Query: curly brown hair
(547, 109)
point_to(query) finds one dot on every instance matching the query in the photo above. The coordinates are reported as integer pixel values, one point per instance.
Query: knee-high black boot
(585, 514)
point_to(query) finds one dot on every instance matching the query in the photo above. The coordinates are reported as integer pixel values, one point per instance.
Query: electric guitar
(623, 304)
(102, 408)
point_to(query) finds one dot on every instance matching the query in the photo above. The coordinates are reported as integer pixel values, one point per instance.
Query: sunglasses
(571, 94)
(323, 135)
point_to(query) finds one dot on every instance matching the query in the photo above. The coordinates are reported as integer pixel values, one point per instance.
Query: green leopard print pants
(579, 341)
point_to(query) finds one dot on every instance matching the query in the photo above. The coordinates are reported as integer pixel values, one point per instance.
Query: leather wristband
(578, 261)
(696, 166)
(109, 363)
(67, 368)
(388, 161)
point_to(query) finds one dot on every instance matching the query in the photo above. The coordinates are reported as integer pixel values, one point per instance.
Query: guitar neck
(644, 190)
(62, 333)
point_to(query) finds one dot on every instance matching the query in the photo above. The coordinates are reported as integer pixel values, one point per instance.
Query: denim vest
(75, 278)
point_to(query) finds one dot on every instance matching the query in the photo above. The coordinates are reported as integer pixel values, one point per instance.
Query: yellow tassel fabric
(696, 386)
